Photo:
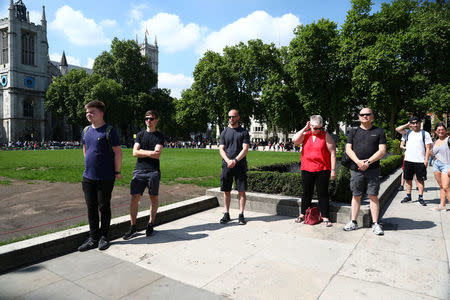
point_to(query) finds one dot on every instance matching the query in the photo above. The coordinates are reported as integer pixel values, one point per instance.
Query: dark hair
(440, 124)
(96, 104)
(152, 112)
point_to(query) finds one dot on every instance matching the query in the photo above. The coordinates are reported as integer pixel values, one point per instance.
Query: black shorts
(142, 179)
(412, 168)
(240, 176)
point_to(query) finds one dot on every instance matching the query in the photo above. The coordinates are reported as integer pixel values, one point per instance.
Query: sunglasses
(151, 119)
(414, 122)
(365, 115)
(316, 128)
(232, 117)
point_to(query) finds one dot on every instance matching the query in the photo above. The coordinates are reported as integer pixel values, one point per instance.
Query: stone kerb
(51, 245)
(290, 206)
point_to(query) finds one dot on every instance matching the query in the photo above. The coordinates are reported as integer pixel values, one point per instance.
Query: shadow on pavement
(187, 233)
(406, 224)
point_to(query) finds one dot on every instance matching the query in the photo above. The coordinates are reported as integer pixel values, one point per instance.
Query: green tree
(125, 64)
(66, 96)
(314, 67)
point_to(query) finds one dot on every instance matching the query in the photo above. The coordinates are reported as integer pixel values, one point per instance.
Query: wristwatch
(117, 172)
(369, 162)
(235, 160)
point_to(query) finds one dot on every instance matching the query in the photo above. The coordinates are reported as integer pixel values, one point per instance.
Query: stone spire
(63, 62)
(43, 19)
(156, 43)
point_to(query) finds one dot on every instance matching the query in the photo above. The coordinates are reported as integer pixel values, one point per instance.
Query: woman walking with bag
(318, 163)
(441, 165)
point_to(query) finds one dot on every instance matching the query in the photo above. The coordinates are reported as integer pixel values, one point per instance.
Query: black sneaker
(149, 230)
(130, 233)
(88, 244)
(422, 202)
(103, 244)
(225, 219)
(406, 199)
(400, 188)
(242, 220)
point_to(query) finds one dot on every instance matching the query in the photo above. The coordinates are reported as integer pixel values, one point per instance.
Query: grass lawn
(196, 166)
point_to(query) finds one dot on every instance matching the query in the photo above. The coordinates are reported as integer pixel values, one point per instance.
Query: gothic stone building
(26, 72)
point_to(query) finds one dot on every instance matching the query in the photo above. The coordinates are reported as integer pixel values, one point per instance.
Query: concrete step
(290, 206)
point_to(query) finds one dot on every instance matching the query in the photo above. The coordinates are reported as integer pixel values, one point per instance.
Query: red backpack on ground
(312, 216)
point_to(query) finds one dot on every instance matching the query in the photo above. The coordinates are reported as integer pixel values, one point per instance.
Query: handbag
(313, 216)
(346, 161)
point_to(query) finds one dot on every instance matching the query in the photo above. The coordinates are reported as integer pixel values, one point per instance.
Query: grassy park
(195, 166)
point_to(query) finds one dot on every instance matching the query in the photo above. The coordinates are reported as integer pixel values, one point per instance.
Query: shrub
(276, 179)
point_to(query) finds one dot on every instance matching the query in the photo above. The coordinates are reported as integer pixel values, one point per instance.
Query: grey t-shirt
(232, 139)
(442, 153)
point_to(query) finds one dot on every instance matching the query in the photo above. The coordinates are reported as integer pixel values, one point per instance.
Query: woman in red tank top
(318, 162)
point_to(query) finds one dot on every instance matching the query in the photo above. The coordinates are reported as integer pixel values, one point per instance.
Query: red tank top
(315, 155)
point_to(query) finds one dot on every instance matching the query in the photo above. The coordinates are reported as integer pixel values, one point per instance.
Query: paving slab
(342, 287)
(66, 290)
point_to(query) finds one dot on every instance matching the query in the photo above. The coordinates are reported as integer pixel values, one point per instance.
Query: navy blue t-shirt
(99, 159)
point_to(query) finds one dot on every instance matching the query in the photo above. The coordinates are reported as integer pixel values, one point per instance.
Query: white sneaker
(376, 228)
(350, 226)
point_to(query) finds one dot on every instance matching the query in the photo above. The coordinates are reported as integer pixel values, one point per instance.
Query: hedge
(276, 179)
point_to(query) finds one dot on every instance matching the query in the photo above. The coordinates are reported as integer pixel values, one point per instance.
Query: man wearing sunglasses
(234, 144)
(365, 146)
(147, 149)
(418, 144)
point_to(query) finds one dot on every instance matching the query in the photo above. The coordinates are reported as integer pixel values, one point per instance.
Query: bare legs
(134, 208)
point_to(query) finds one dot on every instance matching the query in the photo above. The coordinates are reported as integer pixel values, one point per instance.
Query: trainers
(225, 219)
(149, 230)
(406, 199)
(130, 233)
(103, 244)
(400, 188)
(242, 220)
(351, 226)
(422, 202)
(88, 244)
(376, 228)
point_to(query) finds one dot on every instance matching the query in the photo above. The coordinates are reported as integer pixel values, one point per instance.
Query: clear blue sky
(184, 28)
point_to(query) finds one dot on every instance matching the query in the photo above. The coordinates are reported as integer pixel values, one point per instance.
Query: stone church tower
(24, 76)
(151, 52)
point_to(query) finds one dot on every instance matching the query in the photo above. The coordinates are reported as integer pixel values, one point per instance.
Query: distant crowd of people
(35, 145)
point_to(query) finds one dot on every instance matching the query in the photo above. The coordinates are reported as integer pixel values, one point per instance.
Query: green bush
(275, 179)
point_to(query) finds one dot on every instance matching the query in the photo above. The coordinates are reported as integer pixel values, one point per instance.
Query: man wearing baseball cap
(418, 144)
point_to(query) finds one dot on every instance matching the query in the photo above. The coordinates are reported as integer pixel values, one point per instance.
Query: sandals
(300, 219)
(327, 223)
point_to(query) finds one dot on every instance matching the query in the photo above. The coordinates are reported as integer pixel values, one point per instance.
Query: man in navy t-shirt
(103, 160)
(234, 144)
(147, 148)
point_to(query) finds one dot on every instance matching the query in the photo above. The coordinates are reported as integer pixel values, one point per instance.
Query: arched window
(28, 48)
(28, 108)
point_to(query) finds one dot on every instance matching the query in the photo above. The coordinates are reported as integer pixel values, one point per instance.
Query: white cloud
(90, 63)
(175, 82)
(257, 25)
(136, 13)
(35, 16)
(108, 23)
(70, 59)
(78, 29)
(172, 34)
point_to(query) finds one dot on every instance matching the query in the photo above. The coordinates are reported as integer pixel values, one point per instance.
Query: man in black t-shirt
(234, 144)
(147, 148)
(365, 146)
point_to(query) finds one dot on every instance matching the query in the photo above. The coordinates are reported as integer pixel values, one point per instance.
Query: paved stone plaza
(270, 258)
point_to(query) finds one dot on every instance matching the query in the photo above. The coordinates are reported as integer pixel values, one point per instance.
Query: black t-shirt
(365, 142)
(148, 141)
(232, 139)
